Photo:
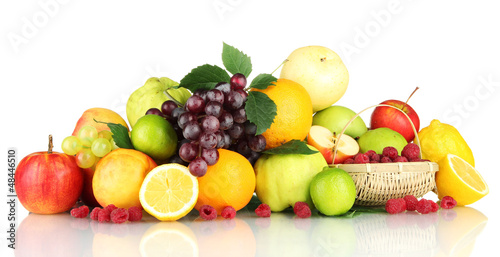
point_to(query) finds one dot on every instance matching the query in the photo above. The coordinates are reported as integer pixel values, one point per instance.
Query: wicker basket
(376, 183)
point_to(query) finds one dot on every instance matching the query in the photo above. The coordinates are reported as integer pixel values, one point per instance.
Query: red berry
(400, 159)
(119, 215)
(434, 206)
(94, 215)
(134, 213)
(375, 157)
(80, 212)
(385, 160)
(263, 210)
(302, 210)
(448, 202)
(393, 206)
(103, 216)
(111, 207)
(411, 151)
(349, 161)
(228, 212)
(411, 202)
(370, 153)
(424, 206)
(402, 204)
(361, 158)
(208, 212)
(390, 152)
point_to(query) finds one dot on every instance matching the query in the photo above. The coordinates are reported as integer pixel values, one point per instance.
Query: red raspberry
(103, 215)
(302, 210)
(80, 212)
(263, 210)
(111, 207)
(390, 152)
(424, 206)
(411, 151)
(94, 215)
(134, 213)
(402, 204)
(411, 202)
(394, 206)
(375, 158)
(208, 212)
(349, 161)
(385, 160)
(448, 202)
(370, 153)
(119, 215)
(434, 206)
(361, 158)
(228, 212)
(400, 159)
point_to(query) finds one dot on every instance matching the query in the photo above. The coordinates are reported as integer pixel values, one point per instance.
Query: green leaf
(262, 81)
(204, 77)
(236, 61)
(120, 134)
(291, 147)
(260, 110)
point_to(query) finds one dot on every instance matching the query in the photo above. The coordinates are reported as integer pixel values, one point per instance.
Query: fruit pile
(215, 139)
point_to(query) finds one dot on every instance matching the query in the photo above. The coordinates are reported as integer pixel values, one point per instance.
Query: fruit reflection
(168, 239)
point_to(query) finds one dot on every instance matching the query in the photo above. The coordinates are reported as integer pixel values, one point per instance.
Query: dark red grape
(210, 124)
(198, 167)
(227, 141)
(195, 104)
(215, 95)
(188, 151)
(202, 93)
(240, 115)
(233, 100)
(192, 131)
(154, 111)
(185, 118)
(243, 94)
(252, 157)
(236, 131)
(250, 128)
(238, 81)
(167, 107)
(220, 138)
(225, 120)
(208, 140)
(177, 159)
(211, 156)
(242, 148)
(177, 112)
(214, 109)
(224, 87)
(257, 143)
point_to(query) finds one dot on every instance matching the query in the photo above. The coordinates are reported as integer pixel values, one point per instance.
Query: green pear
(335, 119)
(378, 139)
(152, 95)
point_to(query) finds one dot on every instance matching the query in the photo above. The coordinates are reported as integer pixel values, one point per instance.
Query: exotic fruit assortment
(217, 142)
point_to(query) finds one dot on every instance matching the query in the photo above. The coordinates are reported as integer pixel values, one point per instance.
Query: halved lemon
(458, 179)
(169, 192)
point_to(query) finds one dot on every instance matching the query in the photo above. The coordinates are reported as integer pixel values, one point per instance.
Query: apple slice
(324, 140)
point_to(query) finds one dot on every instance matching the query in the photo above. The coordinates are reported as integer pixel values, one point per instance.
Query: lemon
(333, 191)
(169, 192)
(458, 179)
(439, 139)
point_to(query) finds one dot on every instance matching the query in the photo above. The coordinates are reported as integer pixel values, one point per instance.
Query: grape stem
(173, 99)
(50, 145)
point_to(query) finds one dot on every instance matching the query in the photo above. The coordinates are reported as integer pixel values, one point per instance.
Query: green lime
(154, 136)
(333, 191)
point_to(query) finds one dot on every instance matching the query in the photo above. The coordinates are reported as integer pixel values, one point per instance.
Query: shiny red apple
(48, 182)
(324, 140)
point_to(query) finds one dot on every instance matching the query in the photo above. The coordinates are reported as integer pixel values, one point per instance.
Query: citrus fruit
(118, 177)
(169, 192)
(169, 239)
(439, 139)
(333, 191)
(293, 112)
(229, 182)
(154, 136)
(458, 179)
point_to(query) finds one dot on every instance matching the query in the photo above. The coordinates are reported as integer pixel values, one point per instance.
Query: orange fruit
(293, 115)
(229, 182)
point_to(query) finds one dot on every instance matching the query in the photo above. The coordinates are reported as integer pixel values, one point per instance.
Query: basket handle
(416, 140)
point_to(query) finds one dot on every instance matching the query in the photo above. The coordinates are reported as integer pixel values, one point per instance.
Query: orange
(294, 112)
(229, 182)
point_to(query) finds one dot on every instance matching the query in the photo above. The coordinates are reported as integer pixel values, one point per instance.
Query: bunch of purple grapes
(210, 120)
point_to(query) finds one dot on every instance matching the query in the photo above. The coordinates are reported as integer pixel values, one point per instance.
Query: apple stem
(286, 60)
(410, 97)
(50, 145)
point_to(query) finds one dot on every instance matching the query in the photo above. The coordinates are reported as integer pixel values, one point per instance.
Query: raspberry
(424, 206)
(390, 152)
(375, 157)
(119, 215)
(411, 202)
(228, 212)
(302, 210)
(385, 160)
(103, 216)
(400, 159)
(402, 204)
(411, 151)
(134, 213)
(374, 162)
(94, 215)
(370, 153)
(349, 161)
(361, 158)
(394, 206)
(80, 212)
(434, 206)
(263, 210)
(208, 212)
(111, 207)
(448, 202)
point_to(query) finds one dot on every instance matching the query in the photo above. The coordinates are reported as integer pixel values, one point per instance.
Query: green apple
(378, 139)
(283, 179)
(333, 191)
(320, 71)
(335, 119)
(152, 95)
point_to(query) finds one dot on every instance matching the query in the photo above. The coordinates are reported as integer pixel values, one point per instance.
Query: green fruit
(333, 191)
(378, 139)
(283, 179)
(152, 95)
(335, 119)
(154, 136)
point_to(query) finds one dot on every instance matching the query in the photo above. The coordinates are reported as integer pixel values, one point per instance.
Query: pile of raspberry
(108, 213)
(410, 153)
(301, 209)
(423, 206)
(207, 212)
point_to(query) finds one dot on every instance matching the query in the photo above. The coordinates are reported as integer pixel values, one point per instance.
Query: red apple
(87, 196)
(324, 140)
(48, 182)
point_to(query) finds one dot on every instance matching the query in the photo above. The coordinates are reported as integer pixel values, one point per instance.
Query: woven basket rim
(394, 167)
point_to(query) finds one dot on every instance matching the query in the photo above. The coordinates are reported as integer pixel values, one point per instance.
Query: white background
(58, 61)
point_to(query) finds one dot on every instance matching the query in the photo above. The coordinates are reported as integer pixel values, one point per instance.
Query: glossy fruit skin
(389, 117)
(99, 114)
(48, 183)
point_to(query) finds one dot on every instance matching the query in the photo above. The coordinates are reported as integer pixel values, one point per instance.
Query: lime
(154, 136)
(333, 191)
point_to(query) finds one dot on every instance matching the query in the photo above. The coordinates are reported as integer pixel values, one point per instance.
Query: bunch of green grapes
(88, 146)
